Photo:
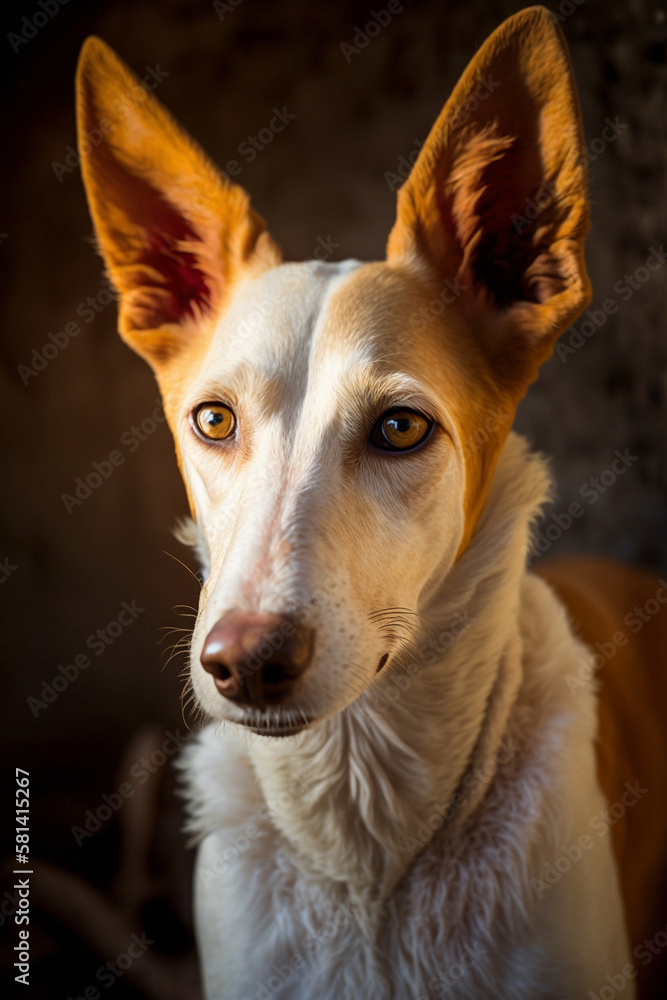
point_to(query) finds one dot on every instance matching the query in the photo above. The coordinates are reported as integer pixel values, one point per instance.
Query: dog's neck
(369, 787)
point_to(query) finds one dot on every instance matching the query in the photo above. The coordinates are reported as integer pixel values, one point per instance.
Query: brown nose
(255, 659)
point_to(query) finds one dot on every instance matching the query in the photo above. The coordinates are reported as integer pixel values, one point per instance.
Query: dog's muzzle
(256, 659)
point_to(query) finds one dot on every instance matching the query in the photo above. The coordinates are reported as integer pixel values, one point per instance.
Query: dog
(417, 779)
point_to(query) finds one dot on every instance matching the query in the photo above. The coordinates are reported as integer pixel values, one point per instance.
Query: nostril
(223, 672)
(216, 668)
(273, 673)
(382, 662)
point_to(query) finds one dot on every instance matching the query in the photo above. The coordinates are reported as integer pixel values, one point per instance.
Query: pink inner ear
(187, 287)
(167, 267)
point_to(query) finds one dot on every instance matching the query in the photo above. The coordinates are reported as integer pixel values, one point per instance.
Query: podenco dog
(401, 793)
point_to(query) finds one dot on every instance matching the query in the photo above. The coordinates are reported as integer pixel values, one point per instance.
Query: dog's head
(337, 425)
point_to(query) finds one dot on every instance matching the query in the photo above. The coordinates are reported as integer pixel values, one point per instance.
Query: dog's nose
(255, 659)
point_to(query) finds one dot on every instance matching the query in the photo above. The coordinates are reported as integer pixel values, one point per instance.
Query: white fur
(302, 524)
(323, 826)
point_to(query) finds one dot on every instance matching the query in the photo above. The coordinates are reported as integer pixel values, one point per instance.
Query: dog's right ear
(495, 206)
(175, 235)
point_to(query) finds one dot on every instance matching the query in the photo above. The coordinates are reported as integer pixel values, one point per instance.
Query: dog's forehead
(323, 317)
(276, 314)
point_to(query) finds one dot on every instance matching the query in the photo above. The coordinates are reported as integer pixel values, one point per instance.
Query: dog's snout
(255, 659)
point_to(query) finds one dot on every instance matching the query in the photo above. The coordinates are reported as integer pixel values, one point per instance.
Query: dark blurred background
(325, 185)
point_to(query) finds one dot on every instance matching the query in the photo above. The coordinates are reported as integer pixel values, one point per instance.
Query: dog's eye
(215, 421)
(400, 430)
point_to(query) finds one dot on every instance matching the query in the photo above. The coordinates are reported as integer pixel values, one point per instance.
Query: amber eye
(215, 421)
(400, 430)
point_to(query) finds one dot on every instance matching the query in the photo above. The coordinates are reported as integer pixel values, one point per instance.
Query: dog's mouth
(278, 728)
(282, 727)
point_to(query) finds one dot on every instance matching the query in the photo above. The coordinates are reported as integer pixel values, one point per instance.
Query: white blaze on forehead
(271, 319)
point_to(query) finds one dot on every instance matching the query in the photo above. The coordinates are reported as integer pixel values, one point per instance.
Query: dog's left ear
(496, 205)
(174, 233)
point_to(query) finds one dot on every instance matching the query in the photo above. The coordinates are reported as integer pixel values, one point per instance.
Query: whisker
(186, 703)
(402, 611)
(170, 630)
(180, 561)
(181, 646)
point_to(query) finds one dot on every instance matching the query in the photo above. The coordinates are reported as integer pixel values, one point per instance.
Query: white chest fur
(384, 855)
